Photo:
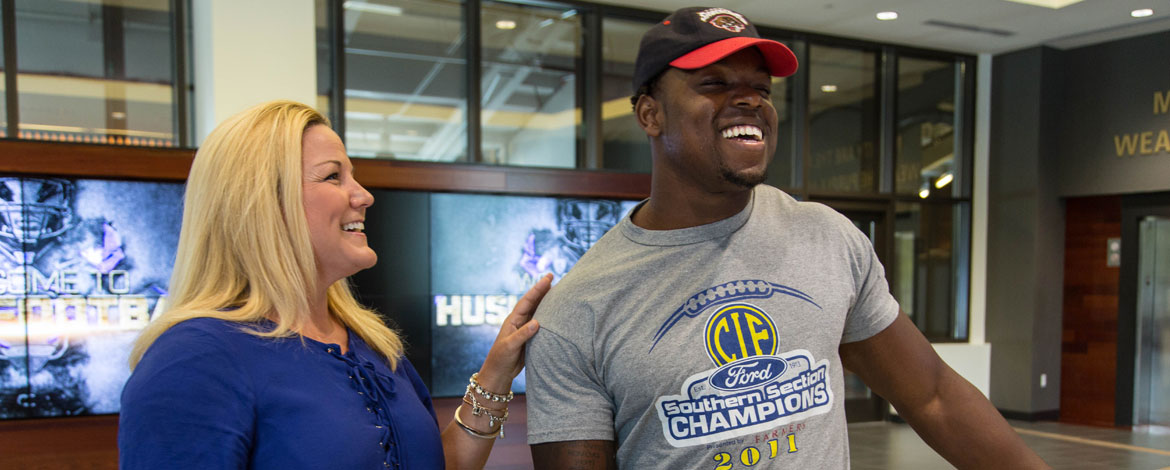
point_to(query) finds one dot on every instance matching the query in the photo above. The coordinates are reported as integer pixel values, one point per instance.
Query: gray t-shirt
(711, 346)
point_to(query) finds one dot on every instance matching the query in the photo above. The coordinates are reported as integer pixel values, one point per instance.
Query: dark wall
(1056, 121)
(1108, 95)
(1024, 234)
(399, 286)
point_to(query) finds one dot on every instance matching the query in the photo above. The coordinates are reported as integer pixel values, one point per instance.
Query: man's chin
(746, 179)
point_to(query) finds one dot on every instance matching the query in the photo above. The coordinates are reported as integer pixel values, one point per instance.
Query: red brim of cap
(781, 61)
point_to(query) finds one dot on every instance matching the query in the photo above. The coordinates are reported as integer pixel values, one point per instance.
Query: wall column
(248, 52)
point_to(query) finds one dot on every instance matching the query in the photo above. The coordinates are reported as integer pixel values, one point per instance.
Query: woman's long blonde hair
(244, 253)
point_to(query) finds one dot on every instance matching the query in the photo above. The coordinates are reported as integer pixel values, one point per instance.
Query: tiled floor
(894, 446)
(885, 445)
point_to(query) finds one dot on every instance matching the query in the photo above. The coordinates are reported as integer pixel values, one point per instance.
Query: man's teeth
(354, 227)
(743, 131)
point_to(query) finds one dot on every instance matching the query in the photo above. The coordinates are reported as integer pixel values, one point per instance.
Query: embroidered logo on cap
(724, 19)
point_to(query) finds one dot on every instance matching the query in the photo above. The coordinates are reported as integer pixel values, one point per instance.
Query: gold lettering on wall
(1142, 143)
(1148, 142)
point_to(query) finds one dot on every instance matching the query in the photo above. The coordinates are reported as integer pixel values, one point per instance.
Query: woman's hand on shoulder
(506, 358)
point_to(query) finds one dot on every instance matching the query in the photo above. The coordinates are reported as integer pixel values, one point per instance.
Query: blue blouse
(209, 395)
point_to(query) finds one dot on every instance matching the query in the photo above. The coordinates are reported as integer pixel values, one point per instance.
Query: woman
(263, 358)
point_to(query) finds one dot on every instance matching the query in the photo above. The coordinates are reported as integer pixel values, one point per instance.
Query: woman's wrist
(484, 403)
(494, 382)
(477, 426)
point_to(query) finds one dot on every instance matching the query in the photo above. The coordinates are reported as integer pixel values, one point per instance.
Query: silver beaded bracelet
(474, 385)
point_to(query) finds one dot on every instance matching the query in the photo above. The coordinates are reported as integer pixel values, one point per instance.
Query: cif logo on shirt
(737, 331)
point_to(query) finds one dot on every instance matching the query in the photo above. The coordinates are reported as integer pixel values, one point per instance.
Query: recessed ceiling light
(1142, 13)
(1053, 4)
(829, 88)
(372, 8)
(887, 15)
(505, 24)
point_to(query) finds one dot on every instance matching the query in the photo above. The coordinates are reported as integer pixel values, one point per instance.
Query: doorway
(1152, 324)
(1143, 365)
(861, 404)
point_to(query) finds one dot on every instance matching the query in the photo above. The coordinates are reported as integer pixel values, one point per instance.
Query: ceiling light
(1142, 13)
(829, 88)
(887, 15)
(943, 180)
(505, 24)
(1053, 4)
(924, 193)
(372, 8)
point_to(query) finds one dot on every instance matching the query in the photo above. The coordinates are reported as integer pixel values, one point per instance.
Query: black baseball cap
(695, 37)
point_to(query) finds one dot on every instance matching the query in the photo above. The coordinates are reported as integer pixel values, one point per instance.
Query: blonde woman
(263, 358)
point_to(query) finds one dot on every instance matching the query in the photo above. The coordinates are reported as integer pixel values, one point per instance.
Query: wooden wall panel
(109, 161)
(90, 442)
(94, 161)
(1088, 367)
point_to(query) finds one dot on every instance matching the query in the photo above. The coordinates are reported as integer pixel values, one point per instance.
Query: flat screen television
(486, 251)
(83, 264)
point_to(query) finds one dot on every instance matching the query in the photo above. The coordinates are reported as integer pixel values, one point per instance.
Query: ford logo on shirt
(749, 372)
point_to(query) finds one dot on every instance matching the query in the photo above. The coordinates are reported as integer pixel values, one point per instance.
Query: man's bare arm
(575, 455)
(949, 413)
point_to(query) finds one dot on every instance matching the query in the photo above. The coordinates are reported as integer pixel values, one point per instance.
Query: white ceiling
(1083, 23)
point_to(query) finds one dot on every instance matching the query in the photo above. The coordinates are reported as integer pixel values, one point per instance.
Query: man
(710, 327)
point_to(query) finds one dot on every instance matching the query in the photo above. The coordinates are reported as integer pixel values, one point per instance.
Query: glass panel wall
(780, 170)
(405, 86)
(843, 120)
(929, 273)
(625, 146)
(97, 72)
(925, 143)
(405, 82)
(325, 55)
(3, 88)
(528, 85)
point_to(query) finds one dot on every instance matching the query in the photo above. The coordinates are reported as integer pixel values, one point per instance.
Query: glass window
(3, 88)
(405, 69)
(324, 57)
(528, 85)
(924, 146)
(929, 277)
(780, 170)
(97, 72)
(843, 120)
(625, 145)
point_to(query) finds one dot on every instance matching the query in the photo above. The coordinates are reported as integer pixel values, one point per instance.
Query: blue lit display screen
(83, 265)
(486, 251)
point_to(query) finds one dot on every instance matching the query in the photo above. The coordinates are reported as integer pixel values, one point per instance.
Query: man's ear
(649, 114)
